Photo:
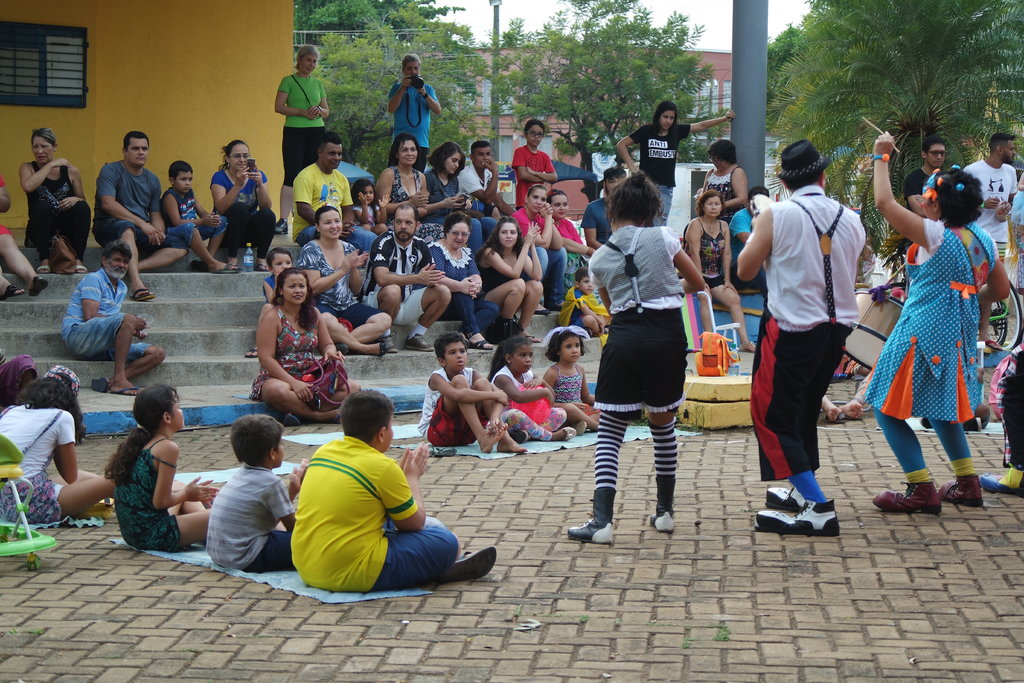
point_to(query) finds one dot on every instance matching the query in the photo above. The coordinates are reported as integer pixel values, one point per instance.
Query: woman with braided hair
(927, 366)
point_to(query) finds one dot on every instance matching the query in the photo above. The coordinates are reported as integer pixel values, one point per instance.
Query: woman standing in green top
(302, 100)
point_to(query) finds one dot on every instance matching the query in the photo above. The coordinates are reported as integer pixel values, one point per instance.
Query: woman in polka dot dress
(927, 366)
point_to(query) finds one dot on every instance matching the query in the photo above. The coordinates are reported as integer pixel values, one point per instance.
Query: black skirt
(643, 365)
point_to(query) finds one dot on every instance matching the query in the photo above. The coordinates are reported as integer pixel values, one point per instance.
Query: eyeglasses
(535, 133)
(937, 153)
(454, 233)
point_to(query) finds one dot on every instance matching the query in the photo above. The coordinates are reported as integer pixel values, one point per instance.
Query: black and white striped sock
(666, 449)
(611, 430)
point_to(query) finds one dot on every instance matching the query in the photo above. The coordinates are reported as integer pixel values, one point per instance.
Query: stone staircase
(205, 323)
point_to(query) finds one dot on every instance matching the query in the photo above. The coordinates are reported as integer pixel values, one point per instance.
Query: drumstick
(894, 147)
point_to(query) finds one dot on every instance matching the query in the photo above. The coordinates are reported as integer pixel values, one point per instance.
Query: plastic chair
(694, 324)
(18, 538)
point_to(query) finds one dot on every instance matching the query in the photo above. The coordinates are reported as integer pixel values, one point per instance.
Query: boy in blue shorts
(243, 530)
(361, 524)
(179, 206)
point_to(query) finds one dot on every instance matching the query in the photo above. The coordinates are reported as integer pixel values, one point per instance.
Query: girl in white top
(526, 417)
(46, 426)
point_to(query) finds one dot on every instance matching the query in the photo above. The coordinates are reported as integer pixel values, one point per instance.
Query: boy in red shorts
(460, 405)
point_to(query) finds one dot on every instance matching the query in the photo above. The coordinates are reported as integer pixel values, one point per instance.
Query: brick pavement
(927, 598)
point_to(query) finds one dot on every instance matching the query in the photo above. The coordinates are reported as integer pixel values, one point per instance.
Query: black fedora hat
(801, 159)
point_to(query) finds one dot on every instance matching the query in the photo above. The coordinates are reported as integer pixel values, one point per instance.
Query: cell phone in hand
(250, 163)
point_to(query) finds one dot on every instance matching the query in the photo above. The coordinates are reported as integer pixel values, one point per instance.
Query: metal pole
(750, 84)
(495, 120)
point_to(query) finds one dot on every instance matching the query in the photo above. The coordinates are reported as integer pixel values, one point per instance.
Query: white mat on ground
(221, 476)
(288, 581)
(633, 433)
(993, 428)
(66, 522)
(401, 432)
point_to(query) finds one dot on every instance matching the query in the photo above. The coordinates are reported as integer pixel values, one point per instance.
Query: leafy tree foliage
(598, 69)
(781, 49)
(953, 67)
(358, 15)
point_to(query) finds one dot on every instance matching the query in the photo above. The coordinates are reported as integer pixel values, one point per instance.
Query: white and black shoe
(663, 522)
(814, 519)
(788, 500)
(599, 528)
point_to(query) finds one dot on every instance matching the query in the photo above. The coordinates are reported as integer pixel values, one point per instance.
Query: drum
(864, 344)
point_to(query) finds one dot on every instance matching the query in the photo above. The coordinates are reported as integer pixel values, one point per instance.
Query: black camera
(416, 82)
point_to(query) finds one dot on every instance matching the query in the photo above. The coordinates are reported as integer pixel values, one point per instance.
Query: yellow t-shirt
(350, 488)
(316, 188)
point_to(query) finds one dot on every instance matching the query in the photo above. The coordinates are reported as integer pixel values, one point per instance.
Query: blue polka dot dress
(927, 366)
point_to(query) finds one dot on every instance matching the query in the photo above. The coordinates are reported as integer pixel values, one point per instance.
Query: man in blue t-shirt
(596, 230)
(412, 101)
(740, 228)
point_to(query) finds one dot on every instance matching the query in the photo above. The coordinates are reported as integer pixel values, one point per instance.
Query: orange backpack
(715, 356)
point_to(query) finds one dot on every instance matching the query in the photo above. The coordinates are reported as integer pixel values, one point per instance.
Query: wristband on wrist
(881, 157)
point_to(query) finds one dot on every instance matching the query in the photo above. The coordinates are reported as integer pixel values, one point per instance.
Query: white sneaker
(790, 500)
(663, 522)
(814, 519)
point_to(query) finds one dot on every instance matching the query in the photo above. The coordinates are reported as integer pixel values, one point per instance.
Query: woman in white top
(46, 425)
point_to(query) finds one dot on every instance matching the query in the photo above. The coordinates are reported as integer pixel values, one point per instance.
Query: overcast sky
(479, 15)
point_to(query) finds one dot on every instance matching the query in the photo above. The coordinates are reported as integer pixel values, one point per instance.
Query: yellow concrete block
(718, 389)
(705, 415)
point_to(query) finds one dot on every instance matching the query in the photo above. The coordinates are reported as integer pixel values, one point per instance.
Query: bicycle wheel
(1006, 321)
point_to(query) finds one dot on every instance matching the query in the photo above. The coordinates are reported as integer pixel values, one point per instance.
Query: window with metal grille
(42, 65)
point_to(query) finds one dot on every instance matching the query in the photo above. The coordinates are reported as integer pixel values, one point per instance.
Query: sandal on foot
(261, 268)
(43, 270)
(252, 353)
(142, 294)
(11, 291)
(38, 285)
(480, 345)
(80, 269)
(127, 391)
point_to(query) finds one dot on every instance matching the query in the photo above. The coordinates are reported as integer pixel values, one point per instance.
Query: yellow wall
(192, 75)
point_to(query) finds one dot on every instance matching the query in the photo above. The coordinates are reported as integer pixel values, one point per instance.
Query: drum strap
(825, 243)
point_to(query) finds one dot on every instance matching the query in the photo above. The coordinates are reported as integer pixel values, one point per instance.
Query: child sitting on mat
(361, 525)
(460, 405)
(567, 377)
(245, 522)
(529, 414)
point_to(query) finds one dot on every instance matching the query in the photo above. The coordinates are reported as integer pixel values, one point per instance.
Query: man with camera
(412, 102)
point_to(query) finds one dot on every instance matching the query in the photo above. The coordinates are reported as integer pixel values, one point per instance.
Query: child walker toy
(17, 538)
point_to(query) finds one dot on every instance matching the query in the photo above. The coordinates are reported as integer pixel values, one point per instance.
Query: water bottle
(247, 259)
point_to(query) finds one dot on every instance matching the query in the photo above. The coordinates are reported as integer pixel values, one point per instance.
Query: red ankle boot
(963, 491)
(918, 498)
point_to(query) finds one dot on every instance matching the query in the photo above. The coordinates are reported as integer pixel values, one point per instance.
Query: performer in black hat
(809, 246)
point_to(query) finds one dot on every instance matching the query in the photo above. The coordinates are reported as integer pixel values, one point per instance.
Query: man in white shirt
(480, 180)
(809, 247)
(998, 186)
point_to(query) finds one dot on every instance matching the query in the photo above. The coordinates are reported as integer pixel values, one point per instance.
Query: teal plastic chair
(17, 538)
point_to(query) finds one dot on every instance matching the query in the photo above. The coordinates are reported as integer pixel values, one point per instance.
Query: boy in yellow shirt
(360, 524)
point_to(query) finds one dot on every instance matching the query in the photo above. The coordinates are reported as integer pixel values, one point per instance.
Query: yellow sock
(918, 476)
(1012, 478)
(964, 467)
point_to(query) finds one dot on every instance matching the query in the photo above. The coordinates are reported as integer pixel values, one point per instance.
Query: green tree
(955, 67)
(781, 50)
(358, 15)
(358, 71)
(597, 70)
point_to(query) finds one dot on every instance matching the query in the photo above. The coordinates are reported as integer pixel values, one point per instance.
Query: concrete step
(93, 252)
(164, 285)
(220, 369)
(43, 312)
(222, 340)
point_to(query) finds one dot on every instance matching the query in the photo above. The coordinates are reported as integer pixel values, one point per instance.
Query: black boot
(598, 529)
(662, 517)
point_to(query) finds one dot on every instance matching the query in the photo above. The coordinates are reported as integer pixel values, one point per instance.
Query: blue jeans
(207, 232)
(666, 203)
(552, 263)
(361, 238)
(475, 314)
(94, 339)
(175, 236)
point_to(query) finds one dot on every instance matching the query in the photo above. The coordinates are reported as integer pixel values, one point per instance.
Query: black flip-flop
(11, 292)
(38, 285)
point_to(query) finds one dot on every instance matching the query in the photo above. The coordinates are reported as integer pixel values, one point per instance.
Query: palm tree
(952, 67)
